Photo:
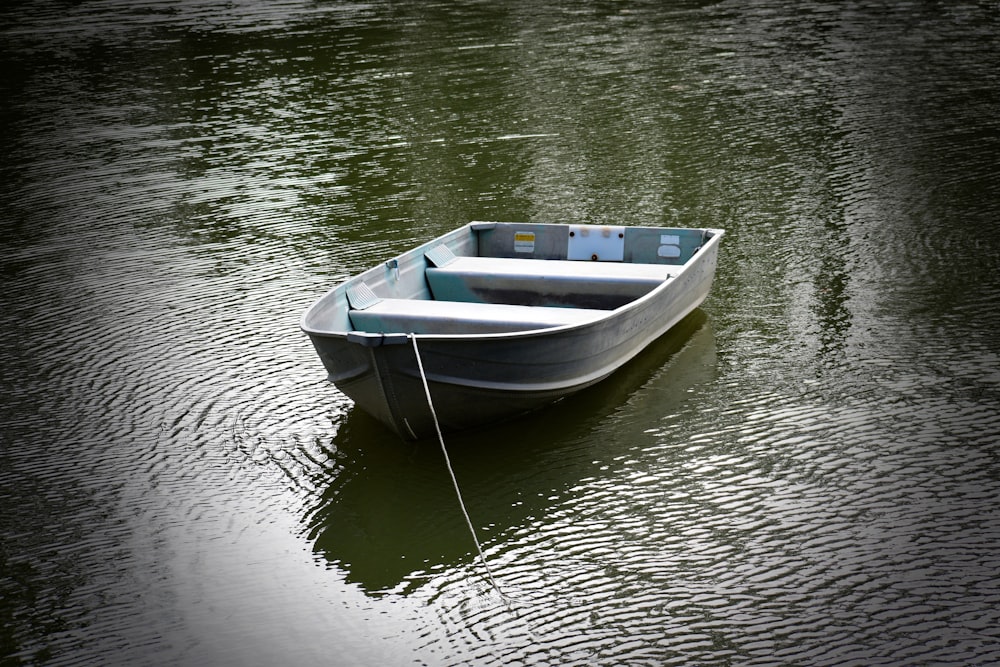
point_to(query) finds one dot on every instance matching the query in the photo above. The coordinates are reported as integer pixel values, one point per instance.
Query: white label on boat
(668, 251)
(524, 242)
(670, 246)
(596, 243)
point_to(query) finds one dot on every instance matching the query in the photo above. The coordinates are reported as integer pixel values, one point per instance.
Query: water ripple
(804, 473)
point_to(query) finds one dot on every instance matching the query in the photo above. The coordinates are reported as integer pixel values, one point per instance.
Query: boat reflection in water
(390, 519)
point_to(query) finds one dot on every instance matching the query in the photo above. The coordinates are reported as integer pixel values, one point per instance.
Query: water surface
(806, 471)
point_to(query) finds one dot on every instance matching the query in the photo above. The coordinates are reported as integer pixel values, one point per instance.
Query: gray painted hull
(480, 379)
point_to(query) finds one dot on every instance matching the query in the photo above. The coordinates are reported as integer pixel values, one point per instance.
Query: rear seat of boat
(537, 282)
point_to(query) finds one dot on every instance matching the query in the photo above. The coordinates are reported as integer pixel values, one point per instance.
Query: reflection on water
(807, 475)
(392, 515)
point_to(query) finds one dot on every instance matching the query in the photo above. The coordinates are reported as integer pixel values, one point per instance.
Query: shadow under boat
(389, 517)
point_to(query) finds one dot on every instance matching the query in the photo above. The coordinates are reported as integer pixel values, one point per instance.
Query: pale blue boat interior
(496, 278)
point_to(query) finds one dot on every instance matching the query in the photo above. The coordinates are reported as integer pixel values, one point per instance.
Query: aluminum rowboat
(507, 317)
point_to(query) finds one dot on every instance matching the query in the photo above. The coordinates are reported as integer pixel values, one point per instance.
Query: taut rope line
(454, 481)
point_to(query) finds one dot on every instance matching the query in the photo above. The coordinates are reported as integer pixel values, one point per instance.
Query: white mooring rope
(454, 481)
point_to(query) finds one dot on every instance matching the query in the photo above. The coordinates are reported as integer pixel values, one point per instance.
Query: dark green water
(807, 471)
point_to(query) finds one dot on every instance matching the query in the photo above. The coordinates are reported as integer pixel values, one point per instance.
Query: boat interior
(488, 278)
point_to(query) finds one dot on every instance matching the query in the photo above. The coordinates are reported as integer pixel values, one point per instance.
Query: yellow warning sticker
(524, 242)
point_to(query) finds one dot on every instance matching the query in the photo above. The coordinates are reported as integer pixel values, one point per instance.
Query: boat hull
(481, 379)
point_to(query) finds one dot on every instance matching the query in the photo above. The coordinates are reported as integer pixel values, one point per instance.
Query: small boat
(496, 319)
